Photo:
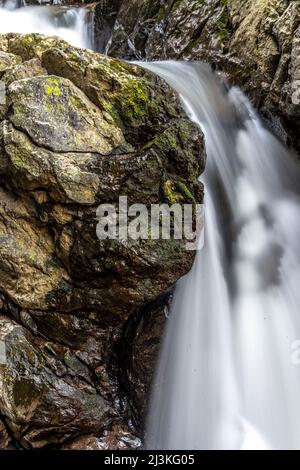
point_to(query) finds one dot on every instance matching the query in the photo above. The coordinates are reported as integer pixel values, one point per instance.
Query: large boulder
(77, 130)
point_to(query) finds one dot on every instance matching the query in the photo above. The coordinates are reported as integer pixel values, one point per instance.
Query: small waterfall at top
(226, 378)
(70, 23)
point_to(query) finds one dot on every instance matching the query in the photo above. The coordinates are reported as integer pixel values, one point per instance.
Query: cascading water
(71, 24)
(226, 379)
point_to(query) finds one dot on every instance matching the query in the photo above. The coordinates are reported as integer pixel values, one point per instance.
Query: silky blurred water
(71, 24)
(225, 378)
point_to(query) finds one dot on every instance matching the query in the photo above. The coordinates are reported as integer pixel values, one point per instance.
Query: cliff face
(255, 43)
(79, 129)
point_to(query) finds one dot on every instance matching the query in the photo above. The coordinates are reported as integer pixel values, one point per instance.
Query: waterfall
(227, 377)
(70, 23)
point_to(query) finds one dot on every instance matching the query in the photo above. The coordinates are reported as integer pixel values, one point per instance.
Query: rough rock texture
(46, 393)
(77, 130)
(117, 438)
(138, 352)
(104, 14)
(255, 42)
(4, 436)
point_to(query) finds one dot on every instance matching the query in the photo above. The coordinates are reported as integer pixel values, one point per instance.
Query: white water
(70, 24)
(226, 379)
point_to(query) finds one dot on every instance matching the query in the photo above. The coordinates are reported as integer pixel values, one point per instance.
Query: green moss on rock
(222, 24)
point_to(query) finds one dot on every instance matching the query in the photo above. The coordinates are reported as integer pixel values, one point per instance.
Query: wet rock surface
(4, 436)
(139, 352)
(116, 438)
(255, 43)
(79, 129)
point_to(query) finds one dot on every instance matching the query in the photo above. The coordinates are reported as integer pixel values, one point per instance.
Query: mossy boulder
(79, 129)
(57, 115)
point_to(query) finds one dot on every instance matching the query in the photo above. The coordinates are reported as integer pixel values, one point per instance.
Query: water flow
(71, 24)
(226, 378)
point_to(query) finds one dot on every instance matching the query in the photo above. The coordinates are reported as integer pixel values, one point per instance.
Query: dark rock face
(103, 19)
(79, 129)
(4, 436)
(256, 43)
(117, 438)
(136, 21)
(138, 352)
(173, 29)
(46, 388)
